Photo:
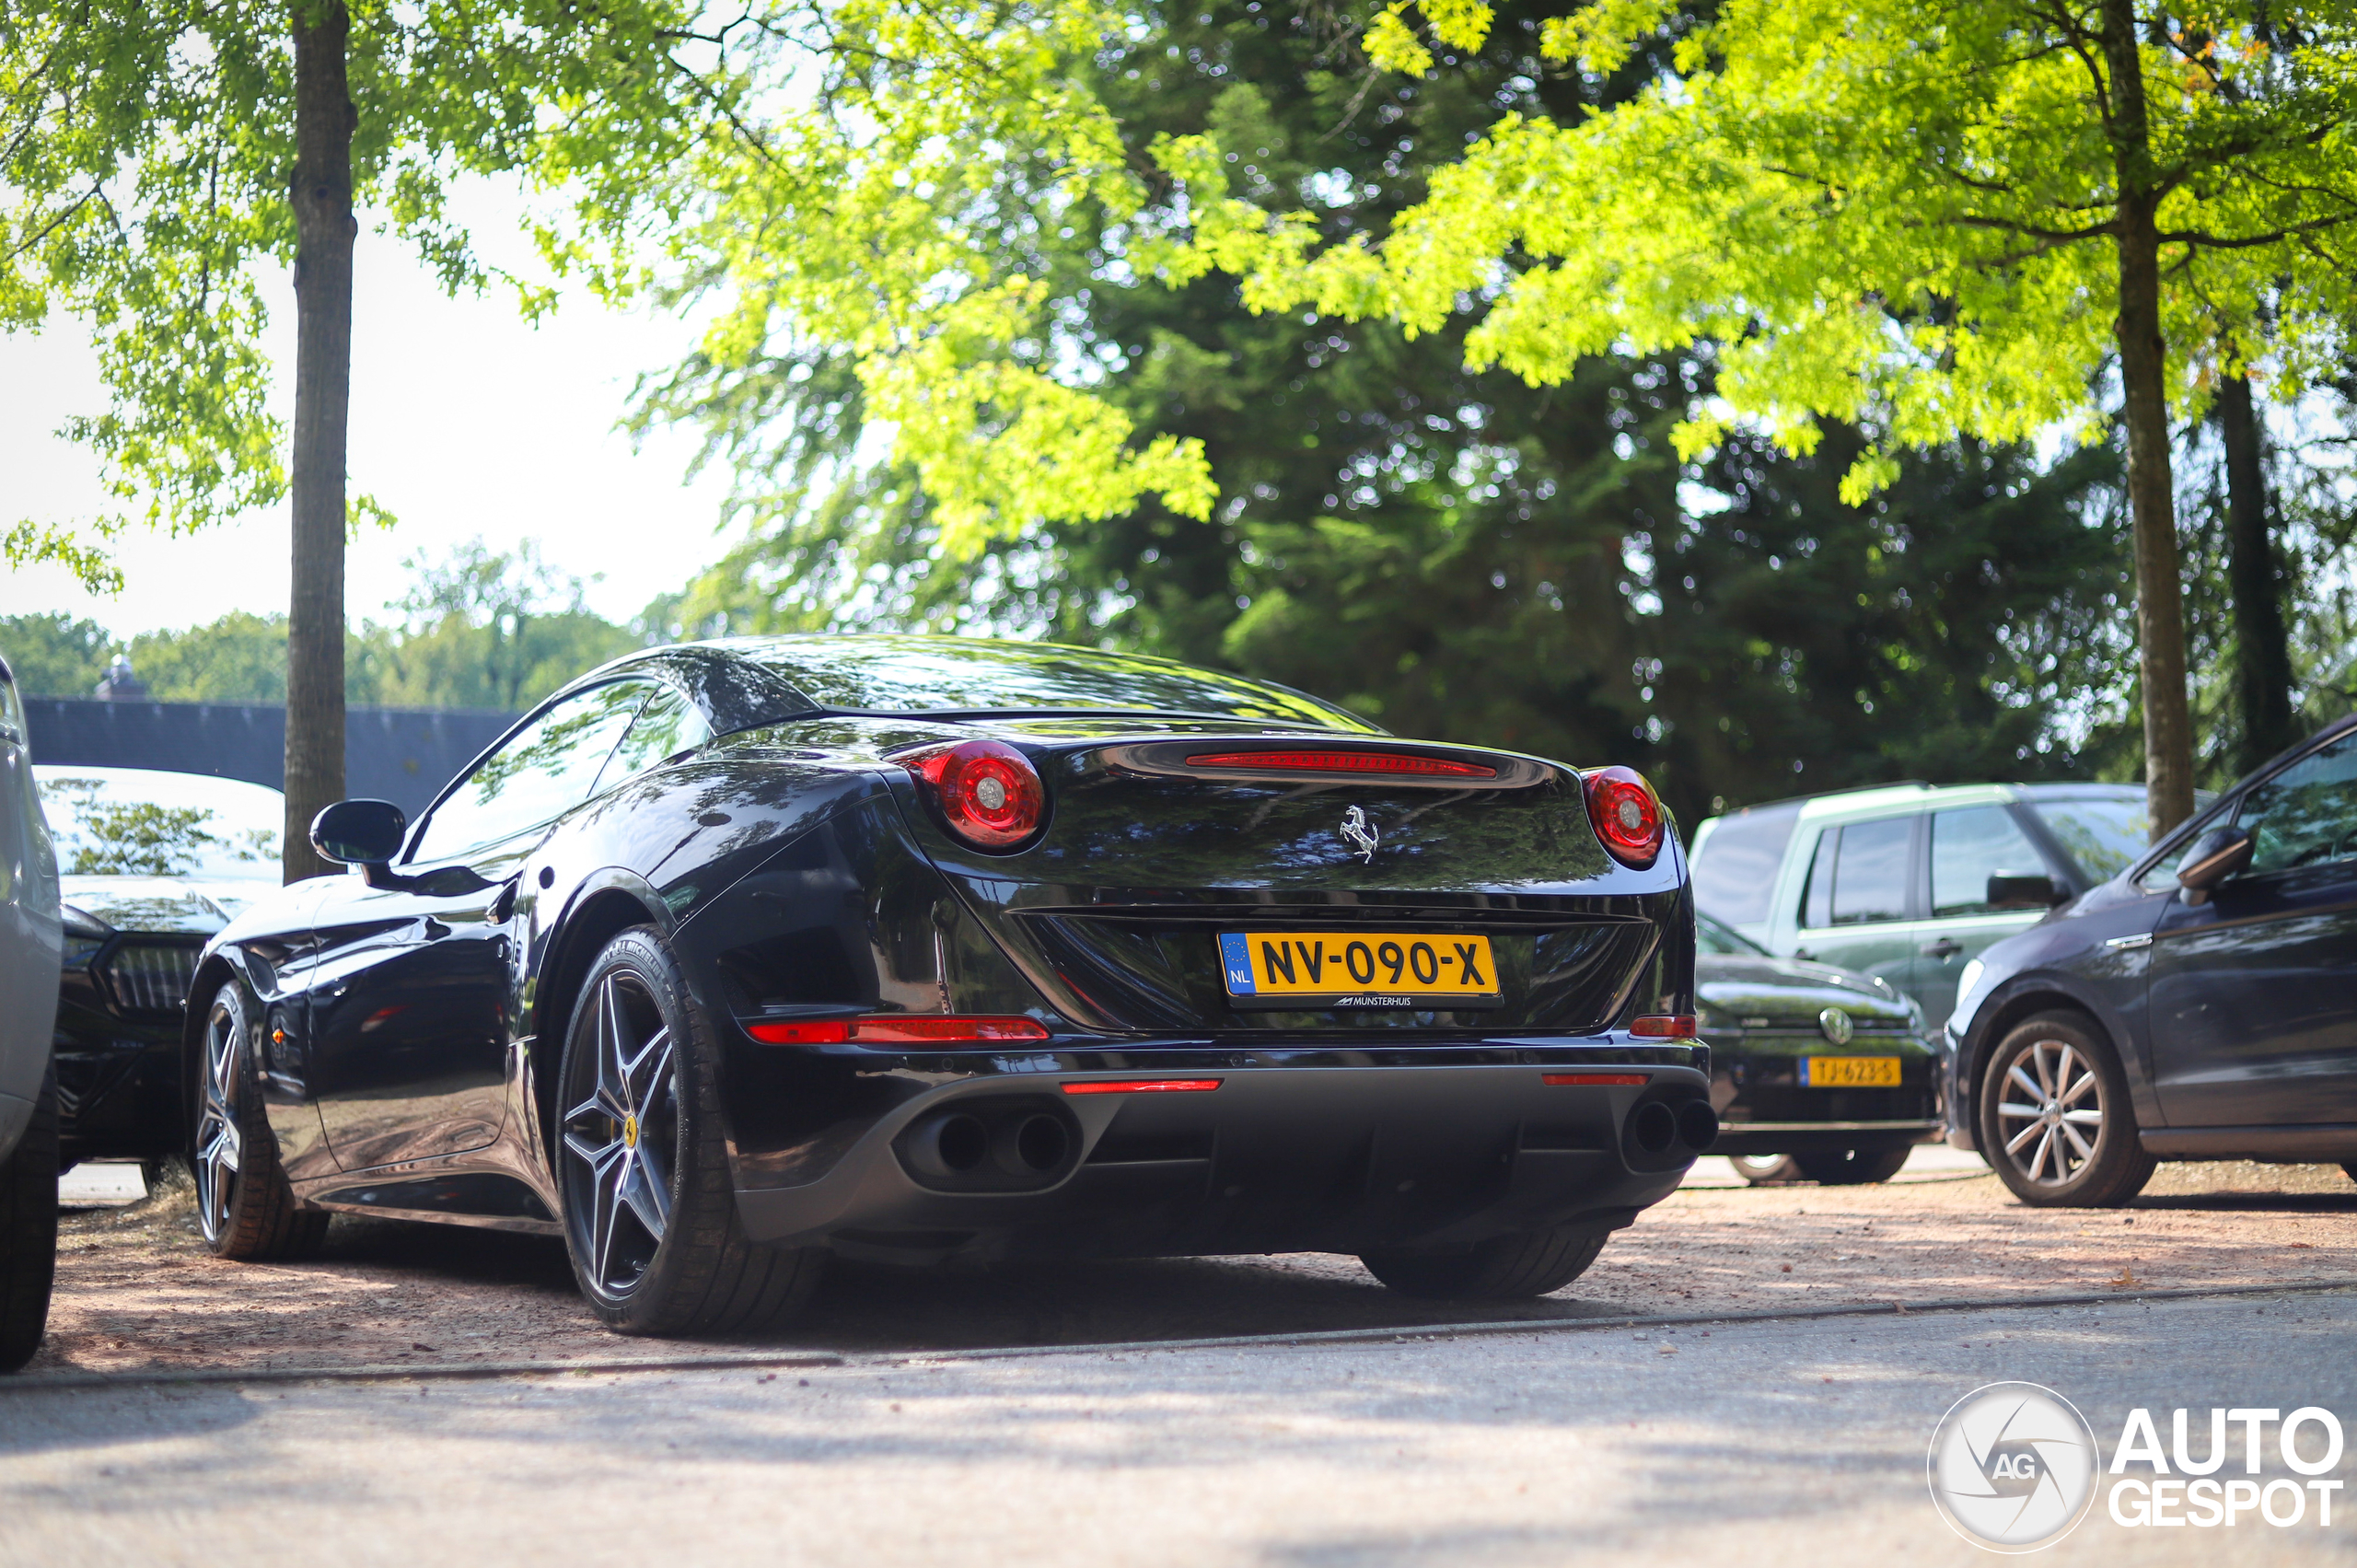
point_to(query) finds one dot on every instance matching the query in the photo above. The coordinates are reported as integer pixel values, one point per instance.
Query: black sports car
(1818, 1073)
(737, 954)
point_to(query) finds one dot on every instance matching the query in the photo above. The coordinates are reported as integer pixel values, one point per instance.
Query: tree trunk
(321, 191)
(2262, 650)
(2151, 504)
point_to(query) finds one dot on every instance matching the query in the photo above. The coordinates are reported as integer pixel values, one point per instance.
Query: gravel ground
(137, 1291)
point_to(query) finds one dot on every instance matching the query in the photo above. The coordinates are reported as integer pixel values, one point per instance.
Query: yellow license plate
(1849, 1073)
(1372, 969)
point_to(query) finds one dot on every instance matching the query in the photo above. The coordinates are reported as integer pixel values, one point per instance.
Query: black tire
(29, 1231)
(1512, 1267)
(245, 1207)
(2051, 1081)
(1853, 1167)
(650, 1211)
(1766, 1170)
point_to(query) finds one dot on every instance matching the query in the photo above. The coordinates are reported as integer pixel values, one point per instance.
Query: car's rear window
(919, 674)
(1735, 873)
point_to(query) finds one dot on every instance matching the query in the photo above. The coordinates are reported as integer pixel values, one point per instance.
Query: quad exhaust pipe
(1015, 1147)
(1660, 1131)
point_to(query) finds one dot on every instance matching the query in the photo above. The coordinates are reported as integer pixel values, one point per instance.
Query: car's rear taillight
(1627, 815)
(987, 792)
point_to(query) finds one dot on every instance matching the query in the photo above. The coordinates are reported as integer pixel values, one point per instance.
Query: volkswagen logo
(2013, 1466)
(1836, 1026)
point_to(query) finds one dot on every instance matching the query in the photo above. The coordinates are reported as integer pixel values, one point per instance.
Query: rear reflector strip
(896, 1029)
(1342, 762)
(1596, 1080)
(1143, 1086)
(1665, 1025)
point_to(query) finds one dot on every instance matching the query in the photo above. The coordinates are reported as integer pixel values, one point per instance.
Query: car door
(2253, 1000)
(1968, 844)
(410, 989)
(1858, 904)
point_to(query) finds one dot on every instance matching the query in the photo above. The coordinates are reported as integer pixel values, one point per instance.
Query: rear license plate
(1374, 968)
(1849, 1073)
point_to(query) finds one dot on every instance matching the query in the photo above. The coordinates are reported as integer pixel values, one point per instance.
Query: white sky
(465, 420)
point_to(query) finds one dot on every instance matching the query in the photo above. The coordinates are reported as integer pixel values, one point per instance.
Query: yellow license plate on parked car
(1372, 969)
(1849, 1073)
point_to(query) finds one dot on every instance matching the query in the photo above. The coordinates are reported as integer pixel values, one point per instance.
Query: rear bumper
(1337, 1159)
(1809, 1137)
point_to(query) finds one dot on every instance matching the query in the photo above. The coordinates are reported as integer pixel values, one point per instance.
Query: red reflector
(1665, 1025)
(898, 1028)
(802, 1031)
(1594, 1080)
(1143, 1086)
(1342, 762)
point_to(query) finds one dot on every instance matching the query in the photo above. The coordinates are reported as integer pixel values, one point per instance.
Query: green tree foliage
(54, 655)
(1920, 219)
(1452, 551)
(487, 629)
(239, 658)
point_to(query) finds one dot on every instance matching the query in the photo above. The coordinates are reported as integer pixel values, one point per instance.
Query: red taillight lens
(898, 1028)
(1343, 762)
(1596, 1080)
(1627, 815)
(987, 791)
(1143, 1086)
(1665, 1025)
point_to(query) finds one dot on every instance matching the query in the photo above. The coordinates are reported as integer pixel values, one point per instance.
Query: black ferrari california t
(737, 954)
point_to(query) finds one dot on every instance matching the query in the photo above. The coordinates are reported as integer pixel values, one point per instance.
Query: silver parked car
(29, 945)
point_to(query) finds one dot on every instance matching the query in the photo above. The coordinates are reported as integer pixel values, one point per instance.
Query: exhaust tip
(1041, 1143)
(1698, 1125)
(1652, 1127)
(950, 1145)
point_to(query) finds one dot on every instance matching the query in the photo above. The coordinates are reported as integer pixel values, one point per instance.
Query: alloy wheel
(620, 1136)
(220, 1146)
(2051, 1113)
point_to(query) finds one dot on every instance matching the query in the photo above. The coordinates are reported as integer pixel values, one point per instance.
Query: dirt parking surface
(136, 1290)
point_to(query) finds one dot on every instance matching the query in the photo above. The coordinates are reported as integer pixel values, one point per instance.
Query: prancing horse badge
(1360, 834)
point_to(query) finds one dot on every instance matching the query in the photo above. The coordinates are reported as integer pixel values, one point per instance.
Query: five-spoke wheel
(622, 1134)
(219, 1143)
(245, 1206)
(650, 1211)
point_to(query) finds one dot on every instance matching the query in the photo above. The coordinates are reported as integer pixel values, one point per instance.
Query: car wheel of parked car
(650, 1211)
(1766, 1170)
(244, 1206)
(2055, 1119)
(1510, 1267)
(1853, 1167)
(29, 1231)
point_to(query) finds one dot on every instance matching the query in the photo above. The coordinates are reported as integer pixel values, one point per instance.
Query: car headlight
(83, 923)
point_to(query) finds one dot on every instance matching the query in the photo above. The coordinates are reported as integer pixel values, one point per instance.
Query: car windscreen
(936, 675)
(1734, 872)
(1712, 937)
(2105, 834)
(147, 823)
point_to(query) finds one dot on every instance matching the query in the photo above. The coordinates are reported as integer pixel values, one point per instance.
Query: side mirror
(2209, 860)
(2024, 893)
(360, 832)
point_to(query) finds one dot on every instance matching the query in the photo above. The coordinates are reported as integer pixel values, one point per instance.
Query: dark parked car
(1817, 1072)
(736, 954)
(2198, 1005)
(155, 864)
(29, 943)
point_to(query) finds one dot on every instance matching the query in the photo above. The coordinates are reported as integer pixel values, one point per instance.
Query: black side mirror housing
(2209, 860)
(360, 832)
(2037, 891)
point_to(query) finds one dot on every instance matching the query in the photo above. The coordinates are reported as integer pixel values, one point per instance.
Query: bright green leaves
(1895, 213)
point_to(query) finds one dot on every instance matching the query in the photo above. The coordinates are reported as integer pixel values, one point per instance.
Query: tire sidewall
(642, 1307)
(2117, 1150)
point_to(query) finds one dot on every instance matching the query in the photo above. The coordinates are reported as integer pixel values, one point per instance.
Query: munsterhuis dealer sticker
(2014, 1467)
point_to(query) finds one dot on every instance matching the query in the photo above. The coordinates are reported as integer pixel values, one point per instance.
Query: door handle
(1945, 947)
